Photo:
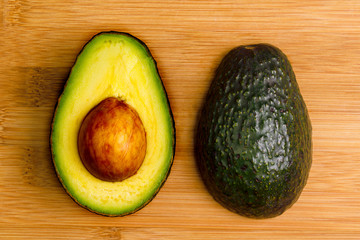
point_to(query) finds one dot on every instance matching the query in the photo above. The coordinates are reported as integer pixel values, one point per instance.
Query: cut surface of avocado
(118, 65)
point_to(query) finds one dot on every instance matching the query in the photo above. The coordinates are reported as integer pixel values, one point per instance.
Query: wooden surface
(39, 43)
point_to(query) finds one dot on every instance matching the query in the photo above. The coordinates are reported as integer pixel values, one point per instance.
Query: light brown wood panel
(39, 43)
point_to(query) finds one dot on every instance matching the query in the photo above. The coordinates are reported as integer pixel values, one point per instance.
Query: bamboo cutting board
(39, 43)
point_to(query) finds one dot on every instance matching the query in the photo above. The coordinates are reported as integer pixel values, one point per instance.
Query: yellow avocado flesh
(113, 65)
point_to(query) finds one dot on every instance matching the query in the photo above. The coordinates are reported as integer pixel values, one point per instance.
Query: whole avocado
(253, 143)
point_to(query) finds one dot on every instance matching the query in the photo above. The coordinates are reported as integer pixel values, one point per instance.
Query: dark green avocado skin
(253, 142)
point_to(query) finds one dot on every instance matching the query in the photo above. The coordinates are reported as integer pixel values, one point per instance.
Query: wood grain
(40, 40)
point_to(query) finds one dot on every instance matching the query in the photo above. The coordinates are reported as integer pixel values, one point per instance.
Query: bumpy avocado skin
(253, 142)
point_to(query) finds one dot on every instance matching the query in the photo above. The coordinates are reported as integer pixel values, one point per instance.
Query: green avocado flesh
(253, 142)
(113, 64)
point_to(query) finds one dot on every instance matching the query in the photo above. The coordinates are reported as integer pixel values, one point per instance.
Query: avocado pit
(112, 140)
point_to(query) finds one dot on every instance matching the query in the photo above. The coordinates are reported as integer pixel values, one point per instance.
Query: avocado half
(113, 64)
(254, 136)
